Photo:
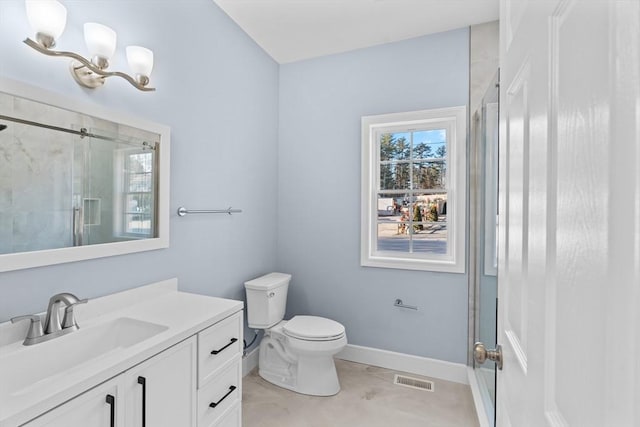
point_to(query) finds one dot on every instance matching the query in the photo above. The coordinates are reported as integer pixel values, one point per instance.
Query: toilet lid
(313, 328)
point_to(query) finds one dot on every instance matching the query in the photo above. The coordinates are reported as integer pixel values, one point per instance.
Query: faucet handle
(69, 319)
(35, 327)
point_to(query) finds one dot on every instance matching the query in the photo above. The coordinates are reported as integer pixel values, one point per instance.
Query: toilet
(295, 354)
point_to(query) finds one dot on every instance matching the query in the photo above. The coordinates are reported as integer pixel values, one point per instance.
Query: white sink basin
(30, 367)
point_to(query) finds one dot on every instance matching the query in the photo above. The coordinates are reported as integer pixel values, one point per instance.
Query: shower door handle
(481, 354)
(78, 226)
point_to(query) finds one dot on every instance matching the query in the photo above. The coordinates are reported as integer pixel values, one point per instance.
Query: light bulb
(48, 19)
(100, 40)
(140, 60)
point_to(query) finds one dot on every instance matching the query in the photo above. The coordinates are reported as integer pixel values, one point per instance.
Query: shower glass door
(486, 261)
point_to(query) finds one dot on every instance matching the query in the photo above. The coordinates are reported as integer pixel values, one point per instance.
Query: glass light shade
(140, 60)
(100, 40)
(47, 17)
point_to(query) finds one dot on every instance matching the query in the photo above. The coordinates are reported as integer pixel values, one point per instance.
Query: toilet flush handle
(271, 294)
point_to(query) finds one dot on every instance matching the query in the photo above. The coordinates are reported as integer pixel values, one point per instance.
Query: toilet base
(313, 375)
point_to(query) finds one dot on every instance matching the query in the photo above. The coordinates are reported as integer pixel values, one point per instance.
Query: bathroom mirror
(77, 181)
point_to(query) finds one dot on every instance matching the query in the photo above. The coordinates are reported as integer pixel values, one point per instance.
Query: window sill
(440, 266)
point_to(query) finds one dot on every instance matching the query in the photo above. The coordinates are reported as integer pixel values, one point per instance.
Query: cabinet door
(98, 407)
(161, 392)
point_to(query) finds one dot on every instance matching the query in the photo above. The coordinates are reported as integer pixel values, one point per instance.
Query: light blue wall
(218, 91)
(321, 102)
(222, 96)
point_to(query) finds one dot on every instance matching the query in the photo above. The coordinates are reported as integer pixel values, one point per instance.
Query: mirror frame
(22, 260)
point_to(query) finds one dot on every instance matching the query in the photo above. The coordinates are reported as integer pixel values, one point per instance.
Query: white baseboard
(424, 366)
(250, 361)
(448, 371)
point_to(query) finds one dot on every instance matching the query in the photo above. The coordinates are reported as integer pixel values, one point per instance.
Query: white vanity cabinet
(150, 356)
(195, 383)
(159, 392)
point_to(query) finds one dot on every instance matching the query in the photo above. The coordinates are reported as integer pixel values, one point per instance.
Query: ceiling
(292, 30)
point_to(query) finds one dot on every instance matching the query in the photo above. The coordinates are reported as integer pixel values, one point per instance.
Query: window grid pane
(430, 175)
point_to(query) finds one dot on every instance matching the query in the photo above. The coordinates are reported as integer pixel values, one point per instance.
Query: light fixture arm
(88, 81)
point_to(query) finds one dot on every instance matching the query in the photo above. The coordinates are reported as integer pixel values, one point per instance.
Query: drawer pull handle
(112, 411)
(214, 404)
(219, 350)
(143, 382)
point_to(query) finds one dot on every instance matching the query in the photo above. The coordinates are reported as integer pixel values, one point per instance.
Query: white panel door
(569, 261)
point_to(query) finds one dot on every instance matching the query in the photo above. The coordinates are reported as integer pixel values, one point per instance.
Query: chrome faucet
(52, 323)
(53, 327)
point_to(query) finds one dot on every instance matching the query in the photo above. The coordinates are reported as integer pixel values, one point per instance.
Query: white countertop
(183, 314)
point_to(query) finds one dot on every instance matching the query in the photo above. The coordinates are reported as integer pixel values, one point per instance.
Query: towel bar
(182, 211)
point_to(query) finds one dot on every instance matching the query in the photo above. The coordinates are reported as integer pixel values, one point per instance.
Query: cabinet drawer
(217, 345)
(232, 418)
(224, 391)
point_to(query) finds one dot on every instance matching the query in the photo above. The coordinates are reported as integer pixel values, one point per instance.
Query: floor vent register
(416, 383)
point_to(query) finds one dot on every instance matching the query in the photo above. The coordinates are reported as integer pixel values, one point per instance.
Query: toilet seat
(313, 328)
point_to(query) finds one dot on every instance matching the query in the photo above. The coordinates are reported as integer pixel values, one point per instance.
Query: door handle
(481, 354)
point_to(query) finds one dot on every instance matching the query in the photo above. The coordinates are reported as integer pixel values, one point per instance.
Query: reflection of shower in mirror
(106, 169)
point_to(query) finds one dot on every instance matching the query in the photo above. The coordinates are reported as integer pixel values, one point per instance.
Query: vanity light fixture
(48, 19)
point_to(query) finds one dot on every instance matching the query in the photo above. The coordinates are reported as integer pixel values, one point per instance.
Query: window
(414, 190)
(137, 204)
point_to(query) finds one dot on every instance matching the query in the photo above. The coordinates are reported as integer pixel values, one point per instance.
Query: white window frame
(454, 120)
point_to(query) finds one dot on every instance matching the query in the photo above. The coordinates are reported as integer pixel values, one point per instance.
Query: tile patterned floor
(368, 398)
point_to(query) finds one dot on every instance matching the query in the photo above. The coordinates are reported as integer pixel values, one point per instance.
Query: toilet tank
(266, 299)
